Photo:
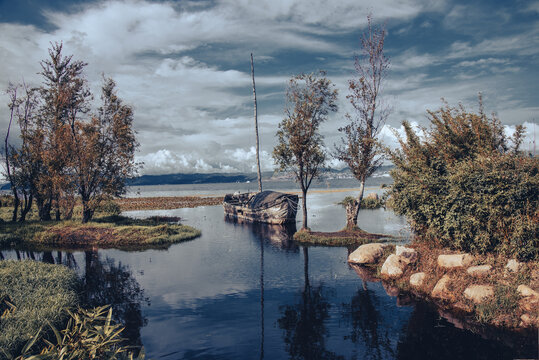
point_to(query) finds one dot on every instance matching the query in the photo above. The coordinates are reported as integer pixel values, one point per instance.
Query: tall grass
(33, 294)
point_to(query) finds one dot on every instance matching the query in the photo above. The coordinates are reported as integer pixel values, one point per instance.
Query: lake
(244, 291)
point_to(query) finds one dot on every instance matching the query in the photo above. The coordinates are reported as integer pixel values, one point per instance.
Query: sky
(184, 66)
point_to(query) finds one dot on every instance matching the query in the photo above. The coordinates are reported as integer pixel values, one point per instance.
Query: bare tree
(13, 108)
(359, 147)
(310, 98)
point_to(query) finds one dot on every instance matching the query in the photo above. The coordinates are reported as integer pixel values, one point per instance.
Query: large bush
(463, 186)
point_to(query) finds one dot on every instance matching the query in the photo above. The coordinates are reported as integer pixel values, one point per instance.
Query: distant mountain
(175, 179)
(197, 178)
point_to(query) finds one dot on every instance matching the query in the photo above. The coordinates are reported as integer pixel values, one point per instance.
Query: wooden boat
(269, 207)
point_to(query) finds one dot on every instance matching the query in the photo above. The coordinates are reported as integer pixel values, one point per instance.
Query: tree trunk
(16, 203)
(87, 213)
(27, 205)
(304, 209)
(359, 199)
(351, 214)
(256, 129)
(44, 210)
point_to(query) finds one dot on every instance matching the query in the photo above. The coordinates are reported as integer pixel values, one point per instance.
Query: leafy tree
(64, 98)
(65, 150)
(310, 99)
(359, 147)
(105, 149)
(463, 186)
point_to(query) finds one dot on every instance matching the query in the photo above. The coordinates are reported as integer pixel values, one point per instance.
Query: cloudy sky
(185, 67)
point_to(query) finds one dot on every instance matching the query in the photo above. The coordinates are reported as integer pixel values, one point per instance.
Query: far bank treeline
(67, 151)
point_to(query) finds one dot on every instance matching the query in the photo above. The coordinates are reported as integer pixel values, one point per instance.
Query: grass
(339, 238)
(498, 310)
(32, 294)
(105, 232)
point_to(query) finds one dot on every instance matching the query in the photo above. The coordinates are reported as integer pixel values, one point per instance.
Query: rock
(390, 289)
(528, 320)
(480, 270)
(513, 266)
(367, 254)
(407, 254)
(526, 291)
(454, 260)
(364, 273)
(417, 279)
(478, 293)
(530, 303)
(393, 266)
(441, 289)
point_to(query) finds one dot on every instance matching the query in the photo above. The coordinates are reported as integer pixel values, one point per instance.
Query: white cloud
(193, 112)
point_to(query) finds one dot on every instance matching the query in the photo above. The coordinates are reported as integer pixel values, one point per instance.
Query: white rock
(393, 266)
(480, 270)
(417, 279)
(454, 260)
(526, 291)
(513, 266)
(478, 293)
(407, 254)
(367, 254)
(441, 289)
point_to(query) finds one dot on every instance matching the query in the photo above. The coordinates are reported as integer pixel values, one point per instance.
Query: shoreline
(484, 290)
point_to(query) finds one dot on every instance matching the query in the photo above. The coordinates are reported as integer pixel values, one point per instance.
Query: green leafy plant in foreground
(89, 334)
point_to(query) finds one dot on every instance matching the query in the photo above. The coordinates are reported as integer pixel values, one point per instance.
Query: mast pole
(256, 127)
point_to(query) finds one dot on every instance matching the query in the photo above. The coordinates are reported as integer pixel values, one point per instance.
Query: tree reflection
(367, 327)
(105, 282)
(428, 331)
(304, 323)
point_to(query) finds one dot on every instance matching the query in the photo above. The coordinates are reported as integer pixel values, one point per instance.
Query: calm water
(246, 292)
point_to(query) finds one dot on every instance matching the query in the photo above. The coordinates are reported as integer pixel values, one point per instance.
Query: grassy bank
(338, 238)
(104, 232)
(32, 294)
(167, 202)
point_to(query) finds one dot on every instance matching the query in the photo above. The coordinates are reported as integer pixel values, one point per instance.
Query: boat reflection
(280, 236)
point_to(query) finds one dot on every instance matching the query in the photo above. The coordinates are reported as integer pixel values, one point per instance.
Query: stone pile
(395, 266)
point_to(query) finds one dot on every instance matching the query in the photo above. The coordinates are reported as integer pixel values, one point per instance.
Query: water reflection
(365, 316)
(106, 282)
(304, 323)
(280, 236)
(103, 282)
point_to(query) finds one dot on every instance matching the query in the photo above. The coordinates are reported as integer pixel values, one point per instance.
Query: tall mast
(256, 127)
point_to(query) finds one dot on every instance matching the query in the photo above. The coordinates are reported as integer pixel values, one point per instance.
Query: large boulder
(393, 266)
(417, 279)
(513, 266)
(478, 293)
(407, 254)
(480, 270)
(367, 254)
(526, 291)
(441, 289)
(454, 260)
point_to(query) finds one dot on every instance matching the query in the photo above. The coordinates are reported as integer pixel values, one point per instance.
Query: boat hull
(269, 207)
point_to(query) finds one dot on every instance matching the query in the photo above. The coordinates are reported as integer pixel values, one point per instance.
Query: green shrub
(366, 202)
(463, 187)
(109, 207)
(89, 334)
(6, 200)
